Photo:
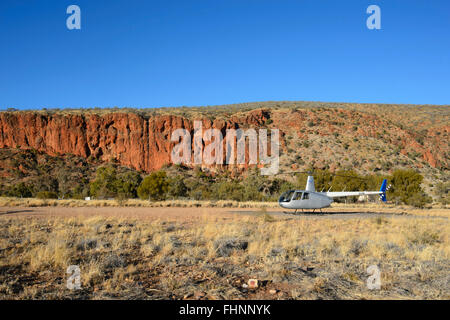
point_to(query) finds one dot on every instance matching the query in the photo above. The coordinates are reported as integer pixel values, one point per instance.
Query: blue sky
(140, 53)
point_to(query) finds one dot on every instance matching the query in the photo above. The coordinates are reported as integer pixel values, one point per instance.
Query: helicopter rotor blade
(311, 173)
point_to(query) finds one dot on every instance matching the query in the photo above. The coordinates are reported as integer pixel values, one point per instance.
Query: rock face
(331, 138)
(129, 139)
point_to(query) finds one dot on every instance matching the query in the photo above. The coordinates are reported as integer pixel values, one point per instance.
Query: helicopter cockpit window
(305, 196)
(297, 196)
(286, 197)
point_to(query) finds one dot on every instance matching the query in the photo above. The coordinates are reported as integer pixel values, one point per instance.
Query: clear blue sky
(139, 53)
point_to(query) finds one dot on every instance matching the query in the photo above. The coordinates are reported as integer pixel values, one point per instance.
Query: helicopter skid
(303, 212)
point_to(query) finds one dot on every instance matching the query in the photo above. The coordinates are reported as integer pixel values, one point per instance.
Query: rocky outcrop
(127, 138)
(332, 137)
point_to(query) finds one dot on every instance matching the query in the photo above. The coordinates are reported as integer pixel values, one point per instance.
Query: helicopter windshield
(286, 197)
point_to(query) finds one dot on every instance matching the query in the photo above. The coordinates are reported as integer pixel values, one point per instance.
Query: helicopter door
(305, 196)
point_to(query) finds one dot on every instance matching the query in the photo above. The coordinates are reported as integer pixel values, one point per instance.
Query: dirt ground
(191, 213)
(212, 253)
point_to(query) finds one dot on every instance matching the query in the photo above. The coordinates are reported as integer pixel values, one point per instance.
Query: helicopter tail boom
(382, 192)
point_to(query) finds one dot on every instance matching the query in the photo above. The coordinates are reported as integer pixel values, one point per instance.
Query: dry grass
(33, 202)
(212, 257)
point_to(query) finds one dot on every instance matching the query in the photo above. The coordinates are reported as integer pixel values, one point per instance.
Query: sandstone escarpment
(130, 139)
(363, 138)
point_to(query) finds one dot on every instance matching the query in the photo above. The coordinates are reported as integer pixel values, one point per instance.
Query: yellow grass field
(200, 252)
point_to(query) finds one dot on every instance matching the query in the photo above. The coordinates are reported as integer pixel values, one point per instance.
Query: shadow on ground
(14, 211)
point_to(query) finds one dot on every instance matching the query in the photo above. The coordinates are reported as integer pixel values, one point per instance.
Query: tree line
(198, 185)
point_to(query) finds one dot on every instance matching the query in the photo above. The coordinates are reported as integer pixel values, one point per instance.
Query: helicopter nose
(281, 201)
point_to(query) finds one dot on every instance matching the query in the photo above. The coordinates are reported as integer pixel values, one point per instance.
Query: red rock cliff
(131, 140)
(143, 143)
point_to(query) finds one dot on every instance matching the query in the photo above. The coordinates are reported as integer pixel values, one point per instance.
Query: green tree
(127, 184)
(442, 192)
(279, 186)
(255, 188)
(154, 187)
(348, 180)
(228, 190)
(322, 180)
(177, 187)
(105, 183)
(65, 183)
(406, 187)
(81, 190)
(20, 190)
(301, 180)
(46, 182)
(47, 195)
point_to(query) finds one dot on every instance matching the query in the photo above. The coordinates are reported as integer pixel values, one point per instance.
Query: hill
(368, 138)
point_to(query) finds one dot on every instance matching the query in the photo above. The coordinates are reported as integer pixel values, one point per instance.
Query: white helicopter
(311, 199)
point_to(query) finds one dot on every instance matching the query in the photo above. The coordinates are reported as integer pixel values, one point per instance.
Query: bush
(105, 183)
(20, 190)
(225, 246)
(80, 191)
(121, 199)
(127, 184)
(228, 190)
(177, 187)
(419, 200)
(154, 186)
(442, 193)
(109, 184)
(47, 195)
(406, 186)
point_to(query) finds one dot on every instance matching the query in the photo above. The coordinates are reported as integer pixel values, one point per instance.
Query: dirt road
(176, 213)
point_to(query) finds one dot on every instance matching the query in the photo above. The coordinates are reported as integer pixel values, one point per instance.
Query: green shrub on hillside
(109, 184)
(154, 187)
(406, 187)
(47, 195)
(127, 184)
(442, 192)
(105, 183)
(177, 188)
(20, 190)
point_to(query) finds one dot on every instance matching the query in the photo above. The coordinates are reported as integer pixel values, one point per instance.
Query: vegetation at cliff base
(49, 177)
(154, 187)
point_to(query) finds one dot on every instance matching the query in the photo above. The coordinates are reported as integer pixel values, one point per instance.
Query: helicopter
(311, 199)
